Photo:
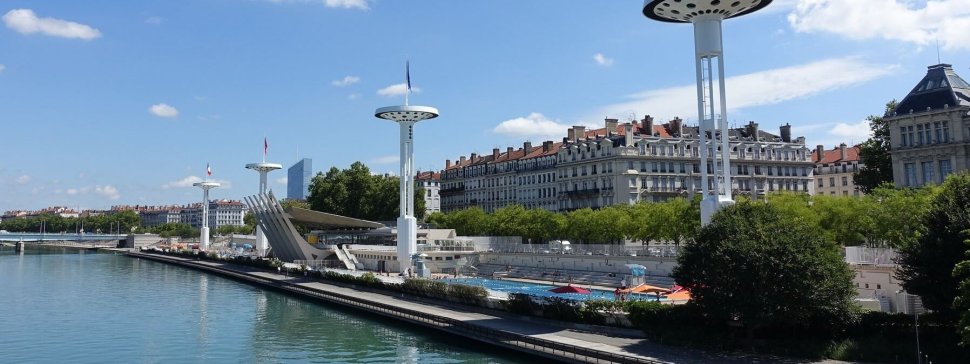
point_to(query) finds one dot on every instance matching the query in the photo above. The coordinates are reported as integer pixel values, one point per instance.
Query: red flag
(208, 170)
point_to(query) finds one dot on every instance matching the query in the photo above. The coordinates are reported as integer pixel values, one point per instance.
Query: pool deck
(546, 338)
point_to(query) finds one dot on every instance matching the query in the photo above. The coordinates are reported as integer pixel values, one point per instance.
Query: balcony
(451, 191)
(589, 192)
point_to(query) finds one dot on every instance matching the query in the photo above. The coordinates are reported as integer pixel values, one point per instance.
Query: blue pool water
(541, 290)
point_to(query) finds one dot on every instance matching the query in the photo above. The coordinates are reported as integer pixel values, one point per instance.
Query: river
(63, 305)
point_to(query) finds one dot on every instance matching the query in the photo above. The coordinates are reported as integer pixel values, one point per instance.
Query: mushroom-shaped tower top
(406, 113)
(684, 11)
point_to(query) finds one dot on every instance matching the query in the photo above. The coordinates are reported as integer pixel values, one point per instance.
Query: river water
(69, 306)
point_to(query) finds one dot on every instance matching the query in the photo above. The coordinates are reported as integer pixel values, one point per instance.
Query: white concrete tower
(407, 225)
(205, 186)
(263, 168)
(706, 15)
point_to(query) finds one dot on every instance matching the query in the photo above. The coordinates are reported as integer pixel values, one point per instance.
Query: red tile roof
(835, 155)
(659, 129)
(428, 175)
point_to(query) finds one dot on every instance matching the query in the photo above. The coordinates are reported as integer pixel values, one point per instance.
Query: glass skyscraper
(298, 179)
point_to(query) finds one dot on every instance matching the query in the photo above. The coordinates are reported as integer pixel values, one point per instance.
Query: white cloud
(387, 159)
(917, 22)
(602, 60)
(354, 96)
(2, 67)
(346, 4)
(24, 179)
(163, 111)
(108, 191)
(346, 81)
(188, 181)
(282, 180)
(24, 21)
(856, 132)
(154, 20)
(72, 191)
(755, 89)
(397, 90)
(535, 126)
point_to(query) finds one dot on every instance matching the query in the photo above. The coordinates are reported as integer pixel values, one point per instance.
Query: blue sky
(124, 102)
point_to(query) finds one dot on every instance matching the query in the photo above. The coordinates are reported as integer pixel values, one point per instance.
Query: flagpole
(407, 80)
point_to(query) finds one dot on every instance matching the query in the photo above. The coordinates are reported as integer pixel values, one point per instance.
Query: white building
(431, 183)
(834, 170)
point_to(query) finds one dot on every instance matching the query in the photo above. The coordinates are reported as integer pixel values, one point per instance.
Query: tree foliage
(926, 267)
(962, 301)
(874, 153)
(356, 192)
(756, 265)
(118, 222)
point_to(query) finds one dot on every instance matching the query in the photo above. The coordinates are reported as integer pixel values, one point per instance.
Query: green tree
(926, 267)
(356, 192)
(755, 265)
(874, 153)
(962, 301)
(472, 221)
(897, 215)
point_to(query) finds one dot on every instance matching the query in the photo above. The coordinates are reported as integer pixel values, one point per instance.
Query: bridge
(44, 237)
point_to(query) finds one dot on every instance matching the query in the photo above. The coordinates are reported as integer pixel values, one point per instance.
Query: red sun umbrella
(569, 289)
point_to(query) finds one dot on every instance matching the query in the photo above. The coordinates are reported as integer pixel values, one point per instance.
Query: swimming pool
(541, 290)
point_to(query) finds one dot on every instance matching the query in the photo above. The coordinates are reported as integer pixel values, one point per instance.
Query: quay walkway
(546, 338)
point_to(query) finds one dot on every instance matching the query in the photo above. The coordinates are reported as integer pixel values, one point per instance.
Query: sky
(107, 102)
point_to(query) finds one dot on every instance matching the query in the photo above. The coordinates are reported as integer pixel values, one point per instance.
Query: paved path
(618, 343)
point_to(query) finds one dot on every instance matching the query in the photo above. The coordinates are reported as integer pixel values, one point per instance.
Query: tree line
(887, 217)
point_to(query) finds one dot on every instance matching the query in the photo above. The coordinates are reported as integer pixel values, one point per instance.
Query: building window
(945, 169)
(946, 131)
(902, 134)
(912, 140)
(909, 169)
(845, 181)
(821, 182)
(831, 181)
(927, 172)
(938, 131)
(919, 134)
(928, 132)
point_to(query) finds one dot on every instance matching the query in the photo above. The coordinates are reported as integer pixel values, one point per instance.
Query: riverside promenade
(545, 338)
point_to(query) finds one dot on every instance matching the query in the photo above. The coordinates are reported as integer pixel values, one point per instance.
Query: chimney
(628, 135)
(786, 133)
(447, 163)
(495, 152)
(571, 134)
(676, 127)
(842, 150)
(527, 146)
(474, 157)
(580, 132)
(547, 146)
(820, 150)
(611, 126)
(647, 126)
(509, 151)
(461, 160)
(753, 131)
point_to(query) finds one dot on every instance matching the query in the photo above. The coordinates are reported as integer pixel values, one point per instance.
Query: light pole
(706, 16)
(262, 168)
(407, 225)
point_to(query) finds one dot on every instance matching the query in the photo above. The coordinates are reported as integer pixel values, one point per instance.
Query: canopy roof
(323, 220)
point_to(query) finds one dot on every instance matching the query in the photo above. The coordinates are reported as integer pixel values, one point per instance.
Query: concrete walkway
(617, 342)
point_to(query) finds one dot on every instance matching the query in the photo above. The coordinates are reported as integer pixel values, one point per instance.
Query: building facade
(834, 169)
(622, 164)
(298, 179)
(431, 183)
(929, 129)
(160, 216)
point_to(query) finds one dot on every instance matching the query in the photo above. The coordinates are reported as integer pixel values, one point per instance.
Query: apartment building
(621, 164)
(834, 169)
(431, 183)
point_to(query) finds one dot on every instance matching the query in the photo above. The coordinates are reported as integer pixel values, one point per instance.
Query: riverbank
(554, 340)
